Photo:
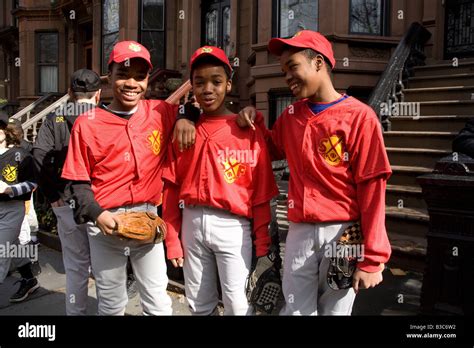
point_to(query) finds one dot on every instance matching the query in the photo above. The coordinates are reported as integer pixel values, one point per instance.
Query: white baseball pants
(109, 256)
(216, 243)
(76, 259)
(305, 271)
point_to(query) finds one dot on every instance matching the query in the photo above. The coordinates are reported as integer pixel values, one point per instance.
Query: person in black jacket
(464, 141)
(49, 152)
(16, 184)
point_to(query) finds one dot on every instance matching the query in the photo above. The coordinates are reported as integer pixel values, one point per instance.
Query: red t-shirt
(122, 159)
(228, 168)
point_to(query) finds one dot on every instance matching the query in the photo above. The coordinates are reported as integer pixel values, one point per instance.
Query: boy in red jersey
(222, 183)
(115, 160)
(339, 169)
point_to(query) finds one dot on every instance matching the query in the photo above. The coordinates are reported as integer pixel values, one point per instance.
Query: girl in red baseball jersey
(221, 183)
(339, 169)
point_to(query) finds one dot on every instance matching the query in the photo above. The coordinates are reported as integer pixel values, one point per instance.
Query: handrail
(32, 106)
(158, 72)
(45, 112)
(179, 93)
(409, 52)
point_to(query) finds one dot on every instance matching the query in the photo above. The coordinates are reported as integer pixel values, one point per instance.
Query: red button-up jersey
(122, 159)
(228, 168)
(338, 169)
(328, 155)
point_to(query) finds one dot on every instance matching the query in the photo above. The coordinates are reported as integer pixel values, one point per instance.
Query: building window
(152, 30)
(110, 29)
(216, 21)
(291, 16)
(369, 17)
(47, 59)
(278, 102)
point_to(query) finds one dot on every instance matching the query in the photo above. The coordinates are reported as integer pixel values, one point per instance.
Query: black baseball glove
(264, 283)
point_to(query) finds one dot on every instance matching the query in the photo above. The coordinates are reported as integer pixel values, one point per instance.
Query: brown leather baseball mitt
(144, 227)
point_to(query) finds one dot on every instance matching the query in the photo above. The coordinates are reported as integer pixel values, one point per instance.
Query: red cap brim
(123, 58)
(276, 46)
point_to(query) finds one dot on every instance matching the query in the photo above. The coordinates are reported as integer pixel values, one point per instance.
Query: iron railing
(408, 54)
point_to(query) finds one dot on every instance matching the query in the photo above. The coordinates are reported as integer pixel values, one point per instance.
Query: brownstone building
(43, 41)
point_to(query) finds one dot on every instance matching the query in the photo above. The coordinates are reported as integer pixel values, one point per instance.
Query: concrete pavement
(397, 295)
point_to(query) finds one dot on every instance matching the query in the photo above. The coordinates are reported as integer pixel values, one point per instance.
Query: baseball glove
(144, 227)
(343, 265)
(264, 284)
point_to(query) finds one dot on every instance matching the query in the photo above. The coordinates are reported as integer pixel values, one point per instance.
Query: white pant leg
(109, 263)
(76, 259)
(149, 268)
(25, 232)
(32, 217)
(305, 272)
(200, 270)
(231, 241)
(300, 271)
(332, 302)
(109, 256)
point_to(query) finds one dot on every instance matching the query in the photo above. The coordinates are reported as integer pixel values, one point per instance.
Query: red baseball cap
(124, 50)
(210, 51)
(304, 39)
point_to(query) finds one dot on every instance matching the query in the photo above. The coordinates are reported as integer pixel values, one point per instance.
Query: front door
(459, 29)
(216, 24)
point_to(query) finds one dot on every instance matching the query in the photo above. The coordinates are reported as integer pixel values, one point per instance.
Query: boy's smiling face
(210, 87)
(301, 73)
(129, 83)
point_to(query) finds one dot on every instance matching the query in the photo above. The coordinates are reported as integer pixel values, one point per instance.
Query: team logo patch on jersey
(154, 141)
(10, 173)
(331, 149)
(233, 170)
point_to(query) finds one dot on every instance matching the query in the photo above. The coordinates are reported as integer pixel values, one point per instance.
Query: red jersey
(122, 159)
(228, 168)
(330, 155)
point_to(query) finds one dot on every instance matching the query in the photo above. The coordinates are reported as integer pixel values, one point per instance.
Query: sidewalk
(397, 295)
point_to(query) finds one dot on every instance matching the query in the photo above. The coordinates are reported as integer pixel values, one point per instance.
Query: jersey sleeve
(79, 161)
(371, 200)
(369, 157)
(26, 168)
(272, 137)
(170, 168)
(171, 114)
(263, 181)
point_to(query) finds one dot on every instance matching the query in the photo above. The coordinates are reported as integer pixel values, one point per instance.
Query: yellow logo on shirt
(10, 173)
(331, 149)
(233, 170)
(154, 141)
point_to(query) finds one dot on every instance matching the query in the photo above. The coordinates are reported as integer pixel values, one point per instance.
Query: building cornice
(23, 12)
